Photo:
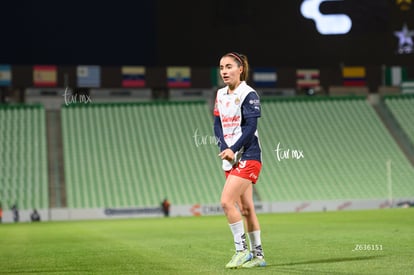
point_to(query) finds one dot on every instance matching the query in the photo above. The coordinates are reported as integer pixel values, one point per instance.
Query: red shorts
(246, 169)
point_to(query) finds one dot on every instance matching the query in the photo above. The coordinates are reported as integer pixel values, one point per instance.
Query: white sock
(239, 236)
(256, 244)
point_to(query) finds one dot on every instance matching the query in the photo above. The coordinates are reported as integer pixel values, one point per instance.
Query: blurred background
(157, 34)
(87, 88)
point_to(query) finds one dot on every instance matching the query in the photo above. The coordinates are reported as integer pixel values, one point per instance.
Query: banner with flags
(307, 78)
(407, 87)
(354, 76)
(395, 75)
(133, 76)
(5, 75)
(264, 77)
(88, 76)
(44, 75)
(178, 77)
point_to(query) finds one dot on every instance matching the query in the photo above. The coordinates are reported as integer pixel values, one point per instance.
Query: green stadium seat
(346, 149)
(124, 155)
(23, 162)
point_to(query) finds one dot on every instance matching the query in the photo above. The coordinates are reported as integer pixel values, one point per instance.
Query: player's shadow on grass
(331, 260)
(291, 265)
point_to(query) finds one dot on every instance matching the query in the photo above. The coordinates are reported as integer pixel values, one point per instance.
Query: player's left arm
(251, 111)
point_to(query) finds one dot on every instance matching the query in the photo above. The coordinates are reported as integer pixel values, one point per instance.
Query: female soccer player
(236, 112)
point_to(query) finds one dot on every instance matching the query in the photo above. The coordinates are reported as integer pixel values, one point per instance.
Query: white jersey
(228, 107)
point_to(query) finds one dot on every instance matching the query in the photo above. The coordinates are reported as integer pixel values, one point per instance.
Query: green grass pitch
(343, 242)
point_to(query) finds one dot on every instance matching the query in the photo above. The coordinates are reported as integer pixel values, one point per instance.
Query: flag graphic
(354, 76)
(44, 76)
(5, 75)
(407, 87)
(264, 77)
(89, 76)
(133, 76)
(395, 75)
(178, 77)
(307, 78)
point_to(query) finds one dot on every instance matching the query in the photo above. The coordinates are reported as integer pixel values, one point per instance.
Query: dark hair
(241, 60)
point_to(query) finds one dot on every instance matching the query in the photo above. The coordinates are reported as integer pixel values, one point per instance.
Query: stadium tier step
(402, 108)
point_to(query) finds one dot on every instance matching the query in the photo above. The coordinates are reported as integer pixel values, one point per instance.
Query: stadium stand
(345, 148)
(120, 155)
(136, 154)
(23, 161)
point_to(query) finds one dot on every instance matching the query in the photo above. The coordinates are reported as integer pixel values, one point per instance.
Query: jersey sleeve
(251, 106)
(249, 128)
(216, 110)
(218, 132)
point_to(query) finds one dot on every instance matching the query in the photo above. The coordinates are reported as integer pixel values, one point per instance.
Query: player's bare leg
(253, 228)
(232, 192)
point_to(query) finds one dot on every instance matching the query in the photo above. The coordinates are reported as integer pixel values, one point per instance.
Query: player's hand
(227, 154)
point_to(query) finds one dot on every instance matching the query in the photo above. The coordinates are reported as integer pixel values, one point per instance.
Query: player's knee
(225, 205)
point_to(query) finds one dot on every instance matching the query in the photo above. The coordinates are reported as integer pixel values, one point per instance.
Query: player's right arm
(218, 129)
(218, 132)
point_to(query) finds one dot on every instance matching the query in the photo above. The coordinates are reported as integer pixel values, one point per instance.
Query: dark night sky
(196, 33)
(72, 32)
